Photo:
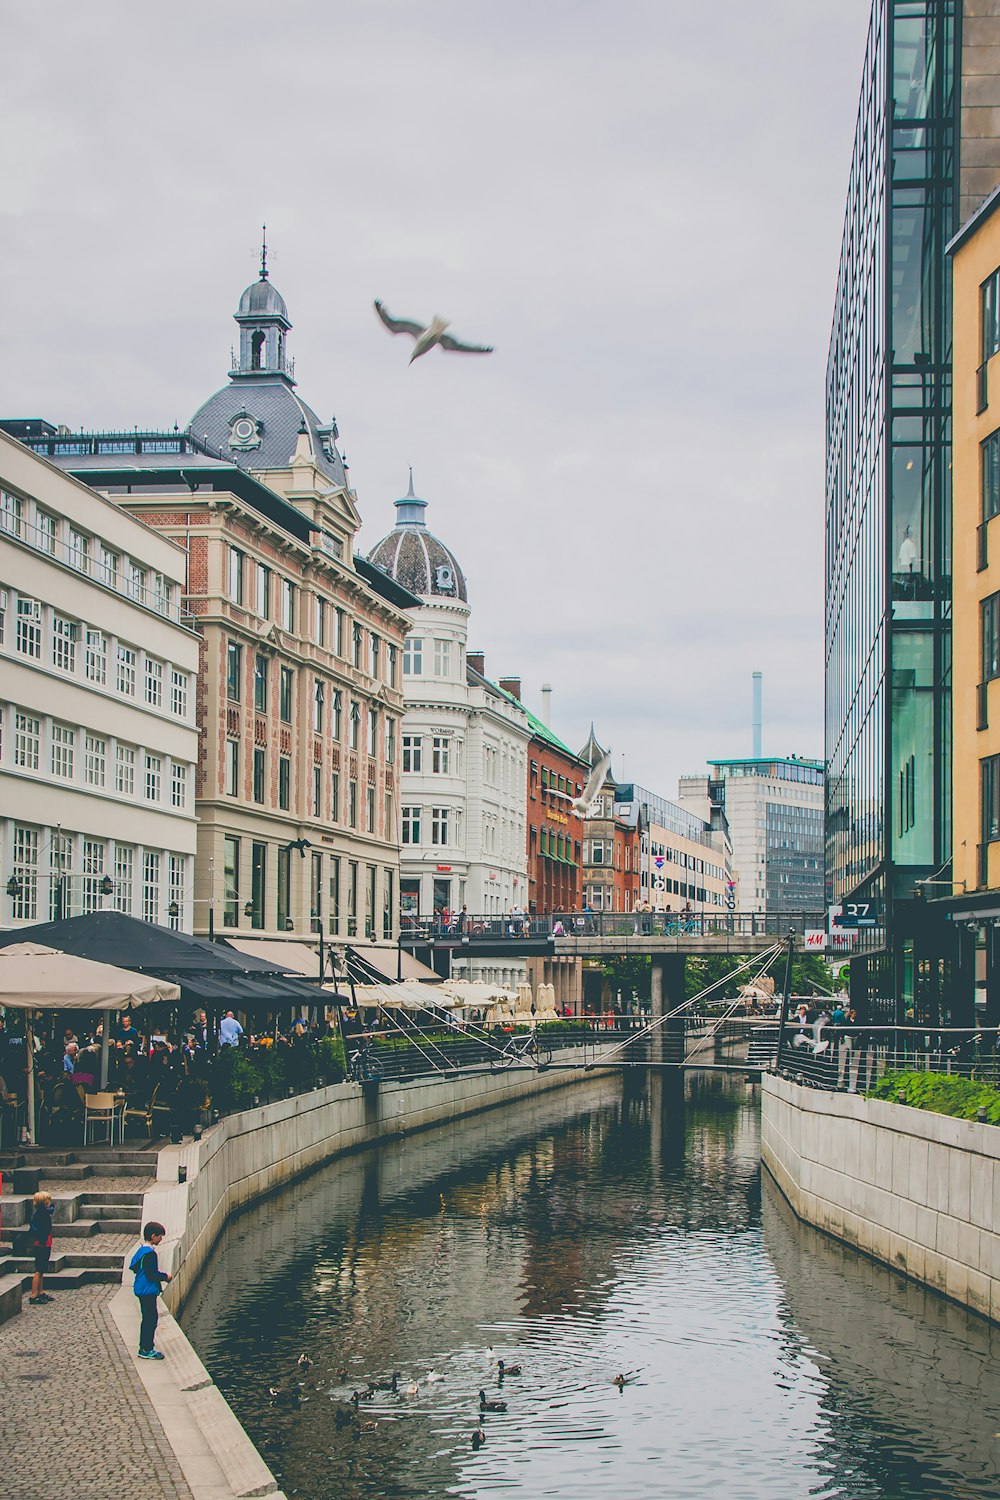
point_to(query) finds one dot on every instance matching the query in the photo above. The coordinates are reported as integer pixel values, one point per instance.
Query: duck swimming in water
(478, 1439)
(507, 1369)
(485, 1404)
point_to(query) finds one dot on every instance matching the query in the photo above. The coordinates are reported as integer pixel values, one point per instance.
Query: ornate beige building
(299, 696)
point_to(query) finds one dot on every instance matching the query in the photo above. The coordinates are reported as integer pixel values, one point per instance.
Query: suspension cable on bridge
(768, 957)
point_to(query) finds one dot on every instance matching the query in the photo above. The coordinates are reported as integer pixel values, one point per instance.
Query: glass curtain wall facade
(888, 521)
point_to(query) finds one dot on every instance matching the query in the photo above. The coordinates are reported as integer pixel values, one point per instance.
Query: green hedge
(944, 1093)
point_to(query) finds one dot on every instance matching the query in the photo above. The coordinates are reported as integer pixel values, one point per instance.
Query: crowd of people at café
(148, 1065)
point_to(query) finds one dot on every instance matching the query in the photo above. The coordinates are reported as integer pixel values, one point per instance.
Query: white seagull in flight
(595, 781)
(426, 338)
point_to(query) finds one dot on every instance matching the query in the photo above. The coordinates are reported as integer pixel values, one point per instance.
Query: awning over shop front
(407, 995)
(290, 957)
(385, 963)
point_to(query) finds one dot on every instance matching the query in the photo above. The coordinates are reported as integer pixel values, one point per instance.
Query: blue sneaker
(150, 1354)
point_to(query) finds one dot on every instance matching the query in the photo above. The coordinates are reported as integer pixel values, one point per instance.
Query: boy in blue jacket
(148, 1280)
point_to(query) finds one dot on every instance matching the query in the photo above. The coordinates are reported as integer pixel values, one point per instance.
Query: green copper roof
(542, 732)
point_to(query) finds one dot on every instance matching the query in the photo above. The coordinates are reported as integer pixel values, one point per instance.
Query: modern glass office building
(888, 490)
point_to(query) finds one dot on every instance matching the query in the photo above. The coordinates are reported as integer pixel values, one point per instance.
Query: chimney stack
(511, 685)
(477, 661)
(757, 680)
(547, 704)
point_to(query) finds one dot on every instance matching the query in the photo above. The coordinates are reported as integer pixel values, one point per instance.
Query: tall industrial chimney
(757, 679)
(547, 704)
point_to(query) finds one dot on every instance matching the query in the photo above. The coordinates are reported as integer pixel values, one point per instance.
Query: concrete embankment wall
(916, 1190)
(250, 1154)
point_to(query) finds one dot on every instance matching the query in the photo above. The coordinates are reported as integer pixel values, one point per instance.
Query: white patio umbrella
(33, 977)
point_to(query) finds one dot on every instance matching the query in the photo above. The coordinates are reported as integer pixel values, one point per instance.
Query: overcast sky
(639, 204)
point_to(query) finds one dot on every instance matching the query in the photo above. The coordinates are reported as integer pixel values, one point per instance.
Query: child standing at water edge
(41, 1244)
(148, 1281)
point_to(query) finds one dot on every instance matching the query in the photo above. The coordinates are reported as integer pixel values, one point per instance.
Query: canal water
(594, 1232)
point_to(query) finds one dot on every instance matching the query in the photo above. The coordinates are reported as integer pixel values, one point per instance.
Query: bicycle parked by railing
(363, 1066)
(520, 1048)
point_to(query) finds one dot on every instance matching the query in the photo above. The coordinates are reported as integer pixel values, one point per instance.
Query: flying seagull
(595, 781)
(427, 337)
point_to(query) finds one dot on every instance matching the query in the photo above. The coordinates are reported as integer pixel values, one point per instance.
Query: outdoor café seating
(103, 1110)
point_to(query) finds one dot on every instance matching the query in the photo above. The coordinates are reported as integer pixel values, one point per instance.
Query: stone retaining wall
(250, 1154)
(916, 1190)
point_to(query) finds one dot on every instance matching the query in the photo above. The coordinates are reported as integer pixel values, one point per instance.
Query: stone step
(88, 1209)
(68, 1172)
(74, 1260)
(11, 1288)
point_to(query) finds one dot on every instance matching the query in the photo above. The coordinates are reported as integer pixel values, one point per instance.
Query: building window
(232, 768)
(160, 594)
(352, 803)
(439, 825)
(179, 694)
(284, 783)
(373, 731)
(231, 882)
(154, 683)
(338, 632)
(24, 904)
(354, 734)
(27, 741)
(124, 877)
(125, 770)
(335, 797)
(411, 825)
(260, 683)
(95, 758)
(96, 664)
(63, 742)
(126, 671)
(64, 637)
(370, 809)
(234, 671)
(358, 645)
(285, 695)
(288, 605)
(412, 752)
(393, 672)
(413, 656)
(320, 631)
(319, 695)
(79, 550)
(153, 769)
(990, 610)
(258, 884)
(29, 628)
(45, 532)
(284, 889)
(236, 575)
(390, 741)
(990, 303)
(93, 874)
(442, 658)
(333, 917)
(136, 585)
(352, 898)
(369, 901)
(150, 887)
(317, 791)
(373, 654)
(262, 592)
(178, 786)
(175, 891)
(258, 774)
(11, 513)
(439, 755)
(335, 708)
(107, 567)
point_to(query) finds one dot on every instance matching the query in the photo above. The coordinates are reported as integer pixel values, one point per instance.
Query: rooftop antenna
(263, 253)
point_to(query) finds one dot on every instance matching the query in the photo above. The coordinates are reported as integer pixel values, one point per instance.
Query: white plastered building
(98, 739)
(464, 752)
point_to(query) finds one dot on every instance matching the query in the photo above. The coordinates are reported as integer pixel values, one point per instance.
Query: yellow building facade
(975, 254)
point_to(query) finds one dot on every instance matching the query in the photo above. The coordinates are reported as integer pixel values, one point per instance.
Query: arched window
(258, 351)
(281, 350)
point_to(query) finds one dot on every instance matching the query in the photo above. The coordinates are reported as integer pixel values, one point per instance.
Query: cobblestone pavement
(75, 1420)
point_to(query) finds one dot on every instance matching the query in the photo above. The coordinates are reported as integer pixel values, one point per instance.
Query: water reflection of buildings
(910, 1389)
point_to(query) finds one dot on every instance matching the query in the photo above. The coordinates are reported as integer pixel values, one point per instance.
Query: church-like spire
(263, 253)
(264, 324)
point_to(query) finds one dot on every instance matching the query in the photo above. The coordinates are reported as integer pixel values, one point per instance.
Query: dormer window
(244, 431)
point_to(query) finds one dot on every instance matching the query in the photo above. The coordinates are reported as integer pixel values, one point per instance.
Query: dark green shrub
(330, 1056)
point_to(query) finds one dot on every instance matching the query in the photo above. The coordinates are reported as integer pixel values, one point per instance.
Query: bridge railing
(590, 924)
(852, 1058)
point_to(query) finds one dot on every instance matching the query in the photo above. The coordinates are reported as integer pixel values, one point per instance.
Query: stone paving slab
(75, 1419)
